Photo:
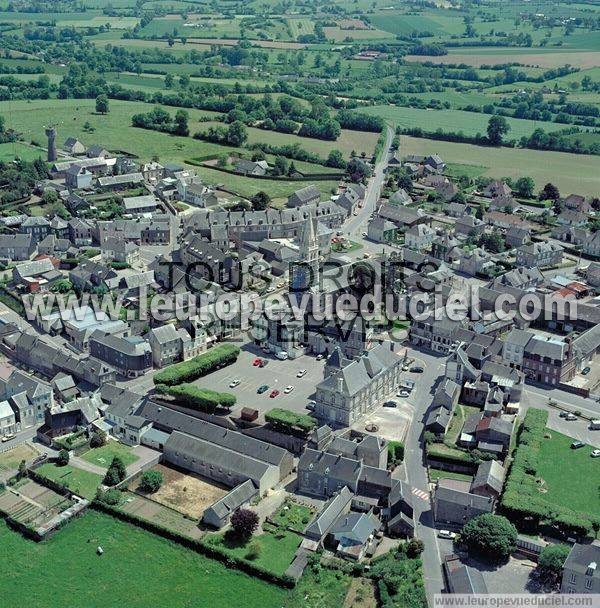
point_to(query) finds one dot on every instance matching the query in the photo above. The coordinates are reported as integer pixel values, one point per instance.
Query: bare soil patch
(186, 492)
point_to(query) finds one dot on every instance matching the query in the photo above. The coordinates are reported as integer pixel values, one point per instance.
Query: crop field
(137, 569)
(470, 123)
(479, 56)
(570, 172)
(10, 459)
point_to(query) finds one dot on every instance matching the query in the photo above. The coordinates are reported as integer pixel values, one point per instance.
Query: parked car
(390, 404)
(273, 393)
(262, 389)
(595, 454)
(585, 371)
(301, 373)
(447, 534)
(577, 444)
(8, 437)
(263, 363)
(403, 393)
(319, 357)
(570, 417)
(288, 389)
(235, 382)
(563, 414)
(310, 406)
(257, 362)
(417, 369)
(594, 425)
(281, 355)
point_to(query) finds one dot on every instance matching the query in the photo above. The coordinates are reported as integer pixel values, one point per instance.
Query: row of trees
(158, 119)
(195, 398)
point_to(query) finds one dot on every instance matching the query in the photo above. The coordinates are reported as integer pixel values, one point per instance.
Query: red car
(257, 362)
(274, 394)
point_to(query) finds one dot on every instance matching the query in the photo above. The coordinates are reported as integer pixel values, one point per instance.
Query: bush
(244, 522)
(218, 356)
(286, 420)
(112, 496)
(491, 536)
(395, 452)
(116, 473)
(151, 481)
(552, 559)
(254, 550)
(196, 398)
(97, 440)
(63, 458)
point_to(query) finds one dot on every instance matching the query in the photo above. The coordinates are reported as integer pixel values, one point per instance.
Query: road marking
(420, 494)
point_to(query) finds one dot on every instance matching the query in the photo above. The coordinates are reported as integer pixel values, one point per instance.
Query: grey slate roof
(338, 467)
(356, 527)
(171, 419)
(240, 495)
(490, 473)
(329, 514)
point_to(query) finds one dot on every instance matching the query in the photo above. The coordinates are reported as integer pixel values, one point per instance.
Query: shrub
(196, 398)
(218, 356)
(286, 421)
(151, 481)
(244, 522)
(97, 440)
(112, 496)
(63, 458)
(253, 551)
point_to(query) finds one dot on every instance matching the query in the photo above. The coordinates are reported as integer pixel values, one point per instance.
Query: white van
(281, 355)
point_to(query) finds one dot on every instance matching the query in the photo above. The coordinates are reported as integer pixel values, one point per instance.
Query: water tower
(51, 135)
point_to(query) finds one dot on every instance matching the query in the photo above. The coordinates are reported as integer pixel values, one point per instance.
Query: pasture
(570, 172)
(137, 569)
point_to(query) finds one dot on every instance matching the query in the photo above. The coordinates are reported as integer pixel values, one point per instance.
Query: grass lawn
(321, 589)
(276, 552)
(570, 476)
(457, 170)
(138, 569)
(103, 456)
(81, 482)
(295, 516)
(569, 172)
(435, 474)
(20, 150)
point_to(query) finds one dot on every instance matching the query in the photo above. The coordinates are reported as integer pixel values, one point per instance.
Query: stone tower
(51, 135)
(305, 273)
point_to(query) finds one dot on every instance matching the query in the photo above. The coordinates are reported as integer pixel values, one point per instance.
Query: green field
(83, 483)
(20, 150)
(570, 172)
(276, 551)
(137, 569)
(470, 123)
(103, 455)
(570, 476)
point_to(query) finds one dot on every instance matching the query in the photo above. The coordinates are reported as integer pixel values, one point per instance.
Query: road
(416, 470)
(356, 224)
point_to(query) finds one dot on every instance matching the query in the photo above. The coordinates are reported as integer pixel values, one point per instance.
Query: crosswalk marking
(421, 494)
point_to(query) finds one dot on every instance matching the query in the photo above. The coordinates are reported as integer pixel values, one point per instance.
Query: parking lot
(577, 429)
(276, 375)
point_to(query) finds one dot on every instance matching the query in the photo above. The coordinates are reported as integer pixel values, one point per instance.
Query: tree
(489, 535)
(97, 440)
(22, 471)
(496, 129)
(116, 472)
(414, 548)
(102, 104)
(237, 134)
(169, 81)
(358, 170)
(336, 160)
(181, 123)
(151, 481)
(63, 458)
(549, 193)
(552, 560)
(260, 201)
(524, 187)
(244, 522)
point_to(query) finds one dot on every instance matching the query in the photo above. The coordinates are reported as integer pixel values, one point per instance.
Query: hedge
(198, 545)
(287, 420)
(218, 356)
(521, 499)
(197, 398)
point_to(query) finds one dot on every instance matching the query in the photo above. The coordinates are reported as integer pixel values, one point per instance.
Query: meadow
(470, 123)
(570, 172)
(137, 569)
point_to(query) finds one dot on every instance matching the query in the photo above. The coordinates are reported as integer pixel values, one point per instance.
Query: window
(573, 577)
(588, 583)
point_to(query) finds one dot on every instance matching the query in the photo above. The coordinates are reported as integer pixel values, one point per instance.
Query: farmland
(571, 172)
(158, 572)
